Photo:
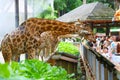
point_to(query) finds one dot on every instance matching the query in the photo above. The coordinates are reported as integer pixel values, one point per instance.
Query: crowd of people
(108, 46)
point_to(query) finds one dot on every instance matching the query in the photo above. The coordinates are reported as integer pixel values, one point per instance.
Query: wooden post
(107, 30)
(25, 10)
(16, 13)
(105, 72)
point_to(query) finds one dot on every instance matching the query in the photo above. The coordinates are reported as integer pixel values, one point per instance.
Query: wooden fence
(98, 67)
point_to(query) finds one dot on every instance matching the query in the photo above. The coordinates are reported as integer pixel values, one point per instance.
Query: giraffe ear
(36, 38)
(80, 21)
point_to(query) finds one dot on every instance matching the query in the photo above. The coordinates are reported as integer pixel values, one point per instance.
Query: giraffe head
(85, 31)
(83, 28)
(90, 37)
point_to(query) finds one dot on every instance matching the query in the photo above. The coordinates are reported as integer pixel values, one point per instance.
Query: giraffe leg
(47, 51)
(37, 54)
(53, 48)
(7, 53)
(31, 53)
(42, 54)
(16, 58)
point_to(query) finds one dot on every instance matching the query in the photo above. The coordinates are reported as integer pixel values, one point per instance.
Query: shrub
(68, 48)
(32, 70)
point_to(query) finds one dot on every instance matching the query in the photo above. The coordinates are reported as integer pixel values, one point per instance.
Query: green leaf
(32, 70)
(68, 48)
(4, 71)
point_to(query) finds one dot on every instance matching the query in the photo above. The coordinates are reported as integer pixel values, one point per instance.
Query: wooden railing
(98, 67)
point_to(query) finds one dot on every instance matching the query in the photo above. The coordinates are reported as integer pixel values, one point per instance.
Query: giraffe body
(15, 44)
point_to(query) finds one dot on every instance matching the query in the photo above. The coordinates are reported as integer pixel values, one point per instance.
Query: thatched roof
(91, 11)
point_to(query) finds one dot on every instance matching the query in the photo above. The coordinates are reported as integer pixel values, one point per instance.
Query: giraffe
(22, 39)
(50, 40)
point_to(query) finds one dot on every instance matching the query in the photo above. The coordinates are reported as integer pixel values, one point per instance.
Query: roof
(103, 23)
(91, 11)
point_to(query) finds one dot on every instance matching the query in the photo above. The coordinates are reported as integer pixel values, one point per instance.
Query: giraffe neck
(41, 25)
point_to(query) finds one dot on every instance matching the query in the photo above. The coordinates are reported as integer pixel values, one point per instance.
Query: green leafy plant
(68, 48)
(4, 71)
(48, 14)
(32, 70)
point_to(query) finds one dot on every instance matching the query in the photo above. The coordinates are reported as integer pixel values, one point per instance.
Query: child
(105, 52)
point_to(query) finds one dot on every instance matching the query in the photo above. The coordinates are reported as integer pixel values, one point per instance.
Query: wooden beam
(102, 23)
(68, 59)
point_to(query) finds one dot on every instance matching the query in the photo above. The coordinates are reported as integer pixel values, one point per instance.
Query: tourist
(113, 45)
(118, 48)
(105, 52)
